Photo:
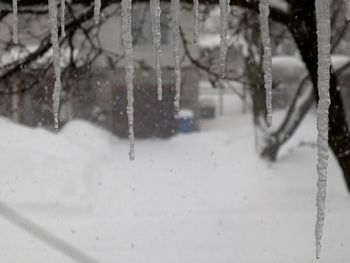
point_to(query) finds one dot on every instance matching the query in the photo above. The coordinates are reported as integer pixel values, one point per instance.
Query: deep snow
(204, 197)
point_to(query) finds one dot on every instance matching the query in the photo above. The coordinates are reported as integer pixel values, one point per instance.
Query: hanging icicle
(228, 9)
(63, 18)
(155, 20)
(347, 2)
(175, 27)
(97, 9)
(15, 22)
(129, 68)
(223, 37)
(56, 60)
(196, 21)
(264, 10)
(324, 62)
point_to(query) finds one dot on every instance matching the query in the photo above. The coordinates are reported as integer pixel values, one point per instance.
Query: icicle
(175, 26)
(223, 36)
(228, 9)
(324, 62)
(97, 9)
(264, 10)
(155, 19)
(15, 22)
(347, 2)
(196, 21)
(63, 16)
(56, 60)
(129, 68)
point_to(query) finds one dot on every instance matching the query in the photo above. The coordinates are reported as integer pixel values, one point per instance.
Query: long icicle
(129, 69)
(63, 18)
(196, 21)
(155, 20)
(324, 62)
(175, 27)
(56, 60)
(223, 37)
(97, 10)
(264, 10)
(15, 22)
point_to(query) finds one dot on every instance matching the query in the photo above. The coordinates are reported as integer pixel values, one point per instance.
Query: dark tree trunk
(339, 138)
(271, 149)
(303, 29)
(294, 116)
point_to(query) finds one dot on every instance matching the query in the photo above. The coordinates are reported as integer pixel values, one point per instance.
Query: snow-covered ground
(197, 198)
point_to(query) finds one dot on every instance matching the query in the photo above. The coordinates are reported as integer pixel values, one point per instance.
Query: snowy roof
(212, 21)
(212, 40)
(339, 60)
(287, 69)
(295, 62)
(185, 114)
(17, 53)
(209, 40)
(287, 61)
(282, 5)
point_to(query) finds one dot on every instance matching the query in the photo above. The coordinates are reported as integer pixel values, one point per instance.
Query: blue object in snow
(184, 121)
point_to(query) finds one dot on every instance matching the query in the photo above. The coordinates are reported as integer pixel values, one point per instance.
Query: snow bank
(202, 197)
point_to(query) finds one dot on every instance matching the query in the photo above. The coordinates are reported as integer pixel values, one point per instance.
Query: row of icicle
(127, 43)
(322, 8)
(323, 31)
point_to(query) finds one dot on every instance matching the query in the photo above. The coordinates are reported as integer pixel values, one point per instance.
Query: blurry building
(96, 91)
